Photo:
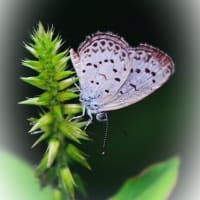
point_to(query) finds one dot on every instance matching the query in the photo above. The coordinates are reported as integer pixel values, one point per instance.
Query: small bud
(35, 81)
(61, 65)
(45, 97)
(65, 96)
(67, 181)
(77, 155)
(67, 132)
(57, 112)
(52, 151)
(67, 82)
(34, 101)
(41, 138)
(72, 131)
(80, 185)
(82, 124)
(31, 50)
(45, 120)
(57, 44)
(33, 64)
(43, 164)
(72, 109)
(40, 29)
(63, 74)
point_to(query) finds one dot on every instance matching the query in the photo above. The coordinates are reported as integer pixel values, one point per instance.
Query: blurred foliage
(18, 181)
(154, 183)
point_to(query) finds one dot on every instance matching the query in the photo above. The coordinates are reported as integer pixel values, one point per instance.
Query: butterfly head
(90, 104)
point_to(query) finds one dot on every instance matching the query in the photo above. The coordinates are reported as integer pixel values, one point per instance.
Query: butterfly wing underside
(102, 65)
(150, 69)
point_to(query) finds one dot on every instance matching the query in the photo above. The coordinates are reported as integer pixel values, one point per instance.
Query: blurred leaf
(155, 183)
(57, 194)
(18, 181)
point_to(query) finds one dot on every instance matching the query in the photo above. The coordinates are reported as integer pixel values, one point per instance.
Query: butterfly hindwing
(150, 69)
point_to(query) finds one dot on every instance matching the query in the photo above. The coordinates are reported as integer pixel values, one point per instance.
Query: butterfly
(113, 75)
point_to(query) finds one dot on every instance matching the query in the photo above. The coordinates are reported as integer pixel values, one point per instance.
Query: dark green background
(139, 135)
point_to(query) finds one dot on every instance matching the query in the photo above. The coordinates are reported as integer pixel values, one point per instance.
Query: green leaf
(155, 183)
(18, 181)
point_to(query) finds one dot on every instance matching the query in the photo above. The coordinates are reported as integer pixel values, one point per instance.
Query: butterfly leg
(90, 120)
(77, 86)
(80, 116)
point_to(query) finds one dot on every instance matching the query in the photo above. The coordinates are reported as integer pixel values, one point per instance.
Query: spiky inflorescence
(55, 123)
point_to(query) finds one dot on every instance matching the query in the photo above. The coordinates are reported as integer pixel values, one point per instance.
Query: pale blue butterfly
(113, 75)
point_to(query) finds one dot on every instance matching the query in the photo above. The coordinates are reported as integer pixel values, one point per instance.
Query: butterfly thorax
(92, 107)
(90, 103)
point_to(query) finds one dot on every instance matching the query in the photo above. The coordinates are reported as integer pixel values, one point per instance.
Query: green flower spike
(56, 124)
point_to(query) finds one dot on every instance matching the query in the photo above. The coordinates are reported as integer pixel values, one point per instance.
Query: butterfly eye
(101, 116)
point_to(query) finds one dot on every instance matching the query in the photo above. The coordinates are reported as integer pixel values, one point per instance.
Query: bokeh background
(162, 125)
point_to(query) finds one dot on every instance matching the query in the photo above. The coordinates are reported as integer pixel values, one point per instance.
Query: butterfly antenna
(105, 136)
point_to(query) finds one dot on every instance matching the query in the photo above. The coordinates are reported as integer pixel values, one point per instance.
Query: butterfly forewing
(150, 69)
(102, 66)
